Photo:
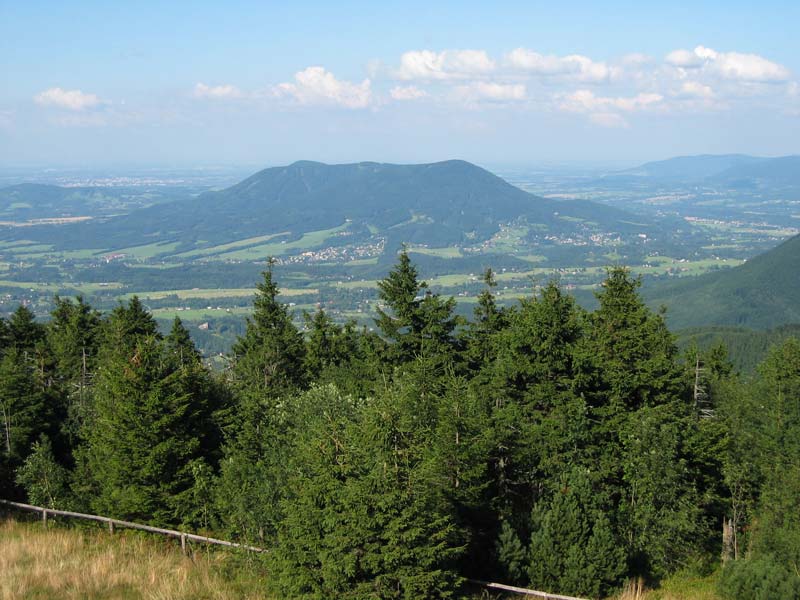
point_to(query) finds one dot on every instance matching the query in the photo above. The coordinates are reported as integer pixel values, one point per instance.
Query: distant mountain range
(762, 293)
(30, 201)
(725, 169)
(441, 203)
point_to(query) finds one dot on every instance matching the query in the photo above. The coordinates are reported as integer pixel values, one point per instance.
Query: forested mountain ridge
(690, 168)
(438, 204)
(762, 293)
(539, 444)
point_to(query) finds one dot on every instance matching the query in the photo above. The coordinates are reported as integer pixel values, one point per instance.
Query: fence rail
(113, 523)
(191, 537)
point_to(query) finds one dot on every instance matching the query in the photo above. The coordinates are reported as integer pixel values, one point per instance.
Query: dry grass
(71, 564)
(682, 586)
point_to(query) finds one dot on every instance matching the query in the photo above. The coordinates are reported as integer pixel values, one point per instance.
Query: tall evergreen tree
(146, 426)
(268, 367)
(24, 415)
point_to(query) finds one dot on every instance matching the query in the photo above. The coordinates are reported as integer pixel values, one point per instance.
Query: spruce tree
(361, 519)
(268, 367)
(146, 425)
(24, 415)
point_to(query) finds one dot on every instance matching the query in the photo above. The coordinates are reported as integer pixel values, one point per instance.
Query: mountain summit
(443, 203)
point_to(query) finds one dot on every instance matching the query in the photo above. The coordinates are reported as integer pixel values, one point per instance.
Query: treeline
(540, 445)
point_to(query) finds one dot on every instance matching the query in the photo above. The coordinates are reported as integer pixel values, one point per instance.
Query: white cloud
(735, 66)
(68, 99)
(409, 92)
(483, 90)
(315, 85)
(684, 59)
(695, 89)
(201, 90)
(448, 64)
(587, 101)
(575, 66)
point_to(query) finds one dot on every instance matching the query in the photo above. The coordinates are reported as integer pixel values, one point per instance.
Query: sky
(516, 83)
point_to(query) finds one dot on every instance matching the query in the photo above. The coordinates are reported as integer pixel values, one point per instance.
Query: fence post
(183, 543)
(111, 527)
(44, 517)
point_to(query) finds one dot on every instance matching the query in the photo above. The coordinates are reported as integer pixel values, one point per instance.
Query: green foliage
(24, 413)
(360, 520)
(512, 555)
(757, 294)
(418, 324)
(45, 482)
(573, 548)
(758, 579)
(269, 358)
(660, 512)
(540, 444)
(268, 366)
(149, 417)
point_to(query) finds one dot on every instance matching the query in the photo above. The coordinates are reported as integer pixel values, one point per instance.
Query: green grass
(201, 314)
(308, 241)
(363, 261)
(195, 293)
(146, 251)
(686, 586)
(85, 288)
(84, 254)
(28, 249)
(447, 252)
(253, 241)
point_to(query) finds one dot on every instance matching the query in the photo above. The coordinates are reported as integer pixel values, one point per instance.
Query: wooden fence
(113, 523)
(191, 537)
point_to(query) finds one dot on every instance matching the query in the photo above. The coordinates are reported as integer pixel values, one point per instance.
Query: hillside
(762, 293)
(734, 170)
(439, 204)
(691, 168)
(782, 171)
(29, 201)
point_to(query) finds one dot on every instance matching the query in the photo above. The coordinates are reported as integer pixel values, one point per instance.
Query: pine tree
(268, 367)
(340, 354)
(540, 420)
(24, 415)
(179, 344)
(268, 361)
(360, 520)
(147, 426)
(73, 337)
(572, 548)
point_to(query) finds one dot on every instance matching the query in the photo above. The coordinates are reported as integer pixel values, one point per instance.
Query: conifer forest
(540, 445)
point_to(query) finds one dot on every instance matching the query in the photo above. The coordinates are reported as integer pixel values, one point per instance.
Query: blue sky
(101, 83)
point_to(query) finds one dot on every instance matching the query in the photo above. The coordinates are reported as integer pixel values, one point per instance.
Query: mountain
(762, 293)
(691, 168)
(29, 201)
(734, 170)
(440, 203)
(747, 348)
(36, 201)
(782, 171)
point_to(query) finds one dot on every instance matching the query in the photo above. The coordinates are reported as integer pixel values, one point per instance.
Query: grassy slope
(89, 563)
(73, 563)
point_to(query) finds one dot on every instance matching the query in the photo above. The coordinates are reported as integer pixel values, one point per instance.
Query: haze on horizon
(264, 83)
